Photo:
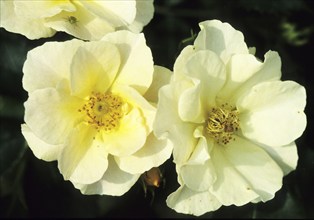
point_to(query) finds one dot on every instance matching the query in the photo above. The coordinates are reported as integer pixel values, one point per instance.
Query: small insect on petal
(72, 20)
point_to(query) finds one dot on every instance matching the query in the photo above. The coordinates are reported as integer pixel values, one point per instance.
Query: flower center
(103, 111)
(222, 122)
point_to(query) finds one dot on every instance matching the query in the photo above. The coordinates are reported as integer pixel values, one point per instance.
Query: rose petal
(152, 154)
(93, 70)
(161, 77)
(199, 177)
(245, 71)
(179, 68)
(31, 26)
(118, 13)
(191, 202)
(244, 173)
(51, 116)
(43, 8)
(129, 137)
(47, 71)
(137, 65)
(190, 106)
(220, 38)
(41, 149)
(144, 14)
(86, 25)
(136, 100)
(83, 160)
(208, 74)
(167, 124)
(285, 156)
(115, 182)
(201, 151)
(272, 113)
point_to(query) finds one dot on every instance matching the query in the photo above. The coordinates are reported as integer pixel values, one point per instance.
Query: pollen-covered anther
(103, 111)
(222, 123)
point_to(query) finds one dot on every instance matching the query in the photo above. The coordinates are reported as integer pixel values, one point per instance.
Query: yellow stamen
(222, 122)
(103, 111)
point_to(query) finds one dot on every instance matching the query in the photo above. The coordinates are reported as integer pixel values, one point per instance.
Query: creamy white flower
(91, 106)
(232, 121)
(87, 20)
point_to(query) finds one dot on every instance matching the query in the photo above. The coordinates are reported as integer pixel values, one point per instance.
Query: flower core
(103, 111)
(222, 122)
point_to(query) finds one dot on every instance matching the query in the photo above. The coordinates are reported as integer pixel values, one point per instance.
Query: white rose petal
(114, 182)
(220, 38)
(40, 149)
(187, 201)
(273, 112)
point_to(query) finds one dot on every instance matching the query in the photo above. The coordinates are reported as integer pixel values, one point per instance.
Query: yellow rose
(91, 106)
(87, 20)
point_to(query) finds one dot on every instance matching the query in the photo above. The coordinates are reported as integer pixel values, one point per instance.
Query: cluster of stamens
(103, 111)
(222, 122)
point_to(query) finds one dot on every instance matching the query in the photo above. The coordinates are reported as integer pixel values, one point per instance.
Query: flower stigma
(222, 122)
(103, 111)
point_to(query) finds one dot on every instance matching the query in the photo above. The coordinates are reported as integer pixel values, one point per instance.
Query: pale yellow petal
(136, 100)
(220, 38)
(80, 23)
(244, 173)
(43, 67)
(201, 152)
(187, 201)
(168, 124)
(51, 115)
(42, 9)
(272, 112)
(114, 182)
(198, 177)
(154, 153)
(41, 149)
(137, 65)
(94, 68)
(129, 137)
(179, 67)
(208, 74)
(83, 159)
(245, 71)
(29, 26)
(285, 156)
(118, 13)
(144, 14)
(190, 105)
(161, 77)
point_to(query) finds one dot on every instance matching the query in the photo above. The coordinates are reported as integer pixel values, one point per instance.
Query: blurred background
(30, 187)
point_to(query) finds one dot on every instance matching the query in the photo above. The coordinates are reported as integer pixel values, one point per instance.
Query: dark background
(30, 187)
